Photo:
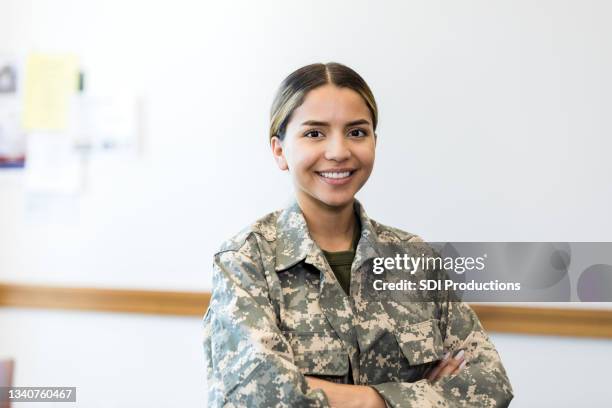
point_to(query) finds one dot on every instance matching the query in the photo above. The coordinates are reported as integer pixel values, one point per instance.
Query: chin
(337, 201)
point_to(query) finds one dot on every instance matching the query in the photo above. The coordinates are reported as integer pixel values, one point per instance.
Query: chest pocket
(318, 353)
(420, 343)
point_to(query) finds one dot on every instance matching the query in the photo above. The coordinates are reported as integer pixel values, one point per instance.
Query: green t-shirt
(341, 261)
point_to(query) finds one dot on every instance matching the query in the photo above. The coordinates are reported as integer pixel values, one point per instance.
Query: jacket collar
(294, 243)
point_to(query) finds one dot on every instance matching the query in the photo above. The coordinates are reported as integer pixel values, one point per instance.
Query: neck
(330, 227)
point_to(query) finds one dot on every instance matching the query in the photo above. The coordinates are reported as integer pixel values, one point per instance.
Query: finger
(434, 370)
(461, 367)
(452, 365)
(441, 364)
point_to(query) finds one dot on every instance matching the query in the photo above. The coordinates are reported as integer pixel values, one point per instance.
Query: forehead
(331, 104)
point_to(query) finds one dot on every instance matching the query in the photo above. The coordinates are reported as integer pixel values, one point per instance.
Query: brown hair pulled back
(294, 88)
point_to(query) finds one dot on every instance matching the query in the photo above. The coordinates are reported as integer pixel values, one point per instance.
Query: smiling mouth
(335, 175)
(336, 178)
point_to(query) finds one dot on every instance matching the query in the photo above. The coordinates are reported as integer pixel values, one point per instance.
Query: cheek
(304, 159)
(366, 156)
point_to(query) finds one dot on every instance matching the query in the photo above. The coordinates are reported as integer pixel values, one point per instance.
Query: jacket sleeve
(481, 383)
(249, 363)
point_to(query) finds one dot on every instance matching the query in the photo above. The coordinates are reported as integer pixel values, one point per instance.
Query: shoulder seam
(238, 245)
(402, 235)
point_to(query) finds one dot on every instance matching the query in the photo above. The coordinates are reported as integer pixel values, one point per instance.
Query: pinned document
(50, 83)
(53, 164)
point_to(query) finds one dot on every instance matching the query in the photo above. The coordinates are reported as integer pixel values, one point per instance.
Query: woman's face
(328, 147)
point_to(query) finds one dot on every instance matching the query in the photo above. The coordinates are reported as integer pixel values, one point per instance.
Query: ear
(279, 155)
(375, 138)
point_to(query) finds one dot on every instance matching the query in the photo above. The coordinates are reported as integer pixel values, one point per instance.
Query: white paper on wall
(54, 165)
(104, 123)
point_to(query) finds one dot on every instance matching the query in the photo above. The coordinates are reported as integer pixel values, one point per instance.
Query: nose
(337, 149)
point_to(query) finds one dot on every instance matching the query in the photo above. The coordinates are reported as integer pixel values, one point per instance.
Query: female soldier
(294, 319)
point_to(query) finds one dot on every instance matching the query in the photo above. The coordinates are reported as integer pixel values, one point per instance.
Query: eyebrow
(326, 124)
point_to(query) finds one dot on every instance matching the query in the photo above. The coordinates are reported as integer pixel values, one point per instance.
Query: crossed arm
(356, 396)
(250, 363)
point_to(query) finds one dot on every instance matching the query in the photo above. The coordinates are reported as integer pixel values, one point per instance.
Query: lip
(336, 182)
(338, 170)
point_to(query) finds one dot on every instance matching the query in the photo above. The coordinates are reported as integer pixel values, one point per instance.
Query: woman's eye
(358, 133)
(313, 134)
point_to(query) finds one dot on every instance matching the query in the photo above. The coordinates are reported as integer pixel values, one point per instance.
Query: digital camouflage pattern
(277, 313)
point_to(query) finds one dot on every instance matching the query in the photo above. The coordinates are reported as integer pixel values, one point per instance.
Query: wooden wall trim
(546, 320)
(107, 300)
(507, 319)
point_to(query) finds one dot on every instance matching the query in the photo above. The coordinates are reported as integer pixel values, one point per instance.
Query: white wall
(114, 360)
(548, 371)
(493, 126)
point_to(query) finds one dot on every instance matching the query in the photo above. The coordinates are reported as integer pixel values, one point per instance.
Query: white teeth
(336, 175)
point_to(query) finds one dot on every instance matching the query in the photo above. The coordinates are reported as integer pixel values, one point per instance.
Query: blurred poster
(12, 137)
(8, 77)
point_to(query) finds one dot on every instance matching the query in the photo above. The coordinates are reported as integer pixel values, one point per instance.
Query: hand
(447, 366)
(347, 395)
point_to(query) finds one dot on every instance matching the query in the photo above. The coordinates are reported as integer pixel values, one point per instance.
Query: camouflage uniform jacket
(277, 313)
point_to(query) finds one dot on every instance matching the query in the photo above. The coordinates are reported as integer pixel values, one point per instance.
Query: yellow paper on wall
(50, 82)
